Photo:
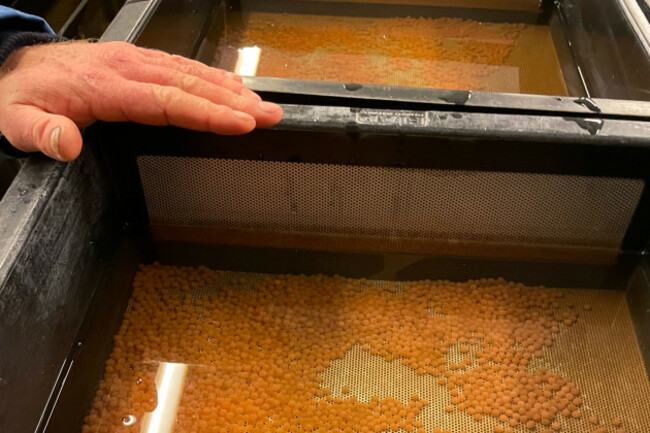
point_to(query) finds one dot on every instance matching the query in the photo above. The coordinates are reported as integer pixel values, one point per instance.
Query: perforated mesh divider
(389, 203)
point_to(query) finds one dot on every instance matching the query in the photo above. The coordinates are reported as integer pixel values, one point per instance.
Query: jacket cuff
(11, 41)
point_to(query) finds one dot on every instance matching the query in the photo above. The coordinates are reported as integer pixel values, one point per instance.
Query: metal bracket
(130, 21)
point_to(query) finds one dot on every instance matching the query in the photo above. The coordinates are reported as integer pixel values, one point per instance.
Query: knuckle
(239, 103)
(37, 133)
(117, 54)
(178, 59)
(191, 70)
(165, 96)
(189, 82)
(159, 103)
(161, 95)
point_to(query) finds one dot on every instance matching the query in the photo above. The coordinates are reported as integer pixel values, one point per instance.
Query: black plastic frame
(60, 225)
(55, 222)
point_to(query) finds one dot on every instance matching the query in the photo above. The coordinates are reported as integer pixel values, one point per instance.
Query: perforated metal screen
(389, 203)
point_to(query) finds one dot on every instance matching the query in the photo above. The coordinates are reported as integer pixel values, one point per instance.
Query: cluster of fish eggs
(455, 54)
(258, 352)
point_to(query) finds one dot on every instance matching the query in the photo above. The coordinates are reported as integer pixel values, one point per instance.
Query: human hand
(48, 92)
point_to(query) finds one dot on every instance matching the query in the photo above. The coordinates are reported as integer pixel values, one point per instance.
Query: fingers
(42, 108)
(183, 61)
(31, 129)
(154, 104)
(216, 76)
(265, 113)
(216, 85)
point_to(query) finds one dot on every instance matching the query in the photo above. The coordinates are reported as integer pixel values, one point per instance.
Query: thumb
(30, 129)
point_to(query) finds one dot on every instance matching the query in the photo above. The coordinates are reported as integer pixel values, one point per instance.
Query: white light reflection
(248, 58)
(170, 380)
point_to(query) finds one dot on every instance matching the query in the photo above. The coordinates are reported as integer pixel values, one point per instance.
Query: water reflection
(170, 380)
(129, 420)
(248, 58)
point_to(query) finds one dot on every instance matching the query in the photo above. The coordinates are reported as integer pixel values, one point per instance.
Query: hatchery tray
(258, 352)
(569, 48)
(391, 184)
(431, 52)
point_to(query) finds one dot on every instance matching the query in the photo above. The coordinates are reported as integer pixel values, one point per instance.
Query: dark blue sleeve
(17, 30)
(11, 19)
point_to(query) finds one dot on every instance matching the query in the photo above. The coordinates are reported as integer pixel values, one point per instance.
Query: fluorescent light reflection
(170, 380)
(248, 58)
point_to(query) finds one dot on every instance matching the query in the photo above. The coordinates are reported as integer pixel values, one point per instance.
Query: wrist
(12, 41)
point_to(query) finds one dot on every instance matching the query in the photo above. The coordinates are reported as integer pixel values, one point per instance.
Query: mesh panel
(381, 202)
(590, 352)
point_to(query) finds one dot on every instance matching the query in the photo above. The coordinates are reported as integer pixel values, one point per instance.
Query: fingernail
(243, 116)
(54, 142)
(269, 107)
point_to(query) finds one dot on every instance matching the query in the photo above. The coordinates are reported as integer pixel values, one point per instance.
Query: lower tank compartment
(207, 350)
(267, 338)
